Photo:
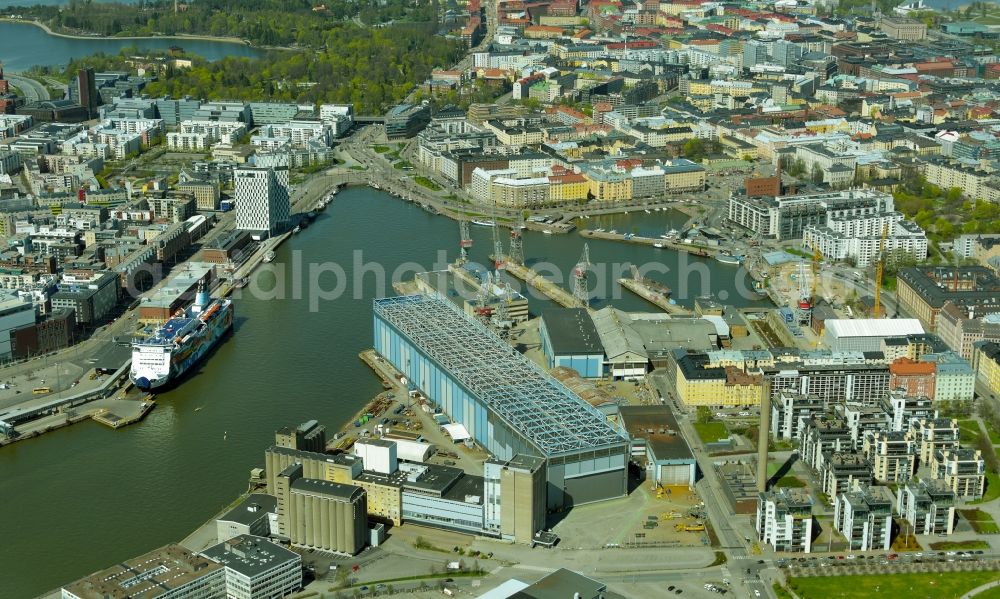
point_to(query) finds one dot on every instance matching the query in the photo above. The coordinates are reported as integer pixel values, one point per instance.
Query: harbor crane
(465, 240)
(497, 244)
(580, 277)
(516, 253)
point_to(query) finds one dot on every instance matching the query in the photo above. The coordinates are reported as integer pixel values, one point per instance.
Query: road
(33, 90)
(745, 568)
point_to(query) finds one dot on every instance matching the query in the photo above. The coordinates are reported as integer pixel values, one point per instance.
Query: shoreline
(205, 38)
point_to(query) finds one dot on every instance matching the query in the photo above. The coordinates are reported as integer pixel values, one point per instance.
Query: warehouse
(657, 440)
(508, 405)
(866, 334)
(569, 339)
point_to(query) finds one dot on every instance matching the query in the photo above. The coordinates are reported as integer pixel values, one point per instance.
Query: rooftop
(314, 486)
(563, 584)
(250, 555)
(544, 411)
(963, 285)
(658, 427)
(251, 509)
(873, 327)
(153, 574)
(572, 331)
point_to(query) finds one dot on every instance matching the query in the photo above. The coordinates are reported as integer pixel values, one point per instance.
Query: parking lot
(889, 563)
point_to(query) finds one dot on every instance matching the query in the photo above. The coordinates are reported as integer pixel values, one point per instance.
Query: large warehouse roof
(548, 414)
(874, 327)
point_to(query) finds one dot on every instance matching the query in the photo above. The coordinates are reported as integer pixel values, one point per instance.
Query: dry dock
(654, 296)
(548, 288)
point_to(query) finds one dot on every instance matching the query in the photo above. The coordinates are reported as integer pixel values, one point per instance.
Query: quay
(373, 361)
(561, 227)
(114, 412)
(135, 411)
(109, 403)
(701, 251)
(533, 279)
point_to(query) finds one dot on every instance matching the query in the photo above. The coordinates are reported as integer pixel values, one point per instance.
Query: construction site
(808, 292)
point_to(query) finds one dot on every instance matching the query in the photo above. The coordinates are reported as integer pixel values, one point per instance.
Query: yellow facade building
(986, 359)
(567, 187)
(610, 187)
(727, 387)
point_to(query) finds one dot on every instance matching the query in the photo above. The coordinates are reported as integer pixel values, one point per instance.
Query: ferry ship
(180, 343)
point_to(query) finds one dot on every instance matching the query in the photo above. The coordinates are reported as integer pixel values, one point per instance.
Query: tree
(704, 415)
(341, 577)
(817, 174)
(693, 149)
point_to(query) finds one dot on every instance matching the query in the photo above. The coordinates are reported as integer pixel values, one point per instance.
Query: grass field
(968, 431)
(711, 431)
(959, 545)
(992, 488)
(781, 592)
(790, 482)
(994, 435)
(938, 585)
(425, 182)
(981, 521)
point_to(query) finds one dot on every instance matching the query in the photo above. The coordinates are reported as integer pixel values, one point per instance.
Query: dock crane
(465, 241)
(580, 291)
(880, 272)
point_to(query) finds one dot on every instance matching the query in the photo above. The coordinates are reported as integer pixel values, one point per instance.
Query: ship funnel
(202, 298)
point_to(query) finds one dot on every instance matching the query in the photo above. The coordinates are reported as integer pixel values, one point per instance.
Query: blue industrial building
(508, 404)
(570, 339)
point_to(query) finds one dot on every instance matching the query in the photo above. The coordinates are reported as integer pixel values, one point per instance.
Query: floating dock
(654, 294)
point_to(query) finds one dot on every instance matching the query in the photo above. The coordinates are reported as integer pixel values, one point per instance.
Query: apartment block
(784, 520)
(864, 517)
(892, 455)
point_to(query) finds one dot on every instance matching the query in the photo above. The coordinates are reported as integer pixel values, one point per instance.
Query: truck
(227, 205)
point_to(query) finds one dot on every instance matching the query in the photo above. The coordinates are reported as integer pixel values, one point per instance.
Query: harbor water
(82, 498)
(25, 46)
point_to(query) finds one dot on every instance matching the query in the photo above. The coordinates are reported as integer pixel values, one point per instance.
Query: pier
(702, 251)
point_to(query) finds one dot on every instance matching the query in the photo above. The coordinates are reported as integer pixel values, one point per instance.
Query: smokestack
(765, 426)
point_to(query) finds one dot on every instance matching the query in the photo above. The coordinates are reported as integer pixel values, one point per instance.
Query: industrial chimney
(762, 435)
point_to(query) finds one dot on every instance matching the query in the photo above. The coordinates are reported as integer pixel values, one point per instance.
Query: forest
(371, 68)
(298, 23)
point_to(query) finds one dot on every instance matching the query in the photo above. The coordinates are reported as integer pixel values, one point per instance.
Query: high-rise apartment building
(262, 200)
(87, 94)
